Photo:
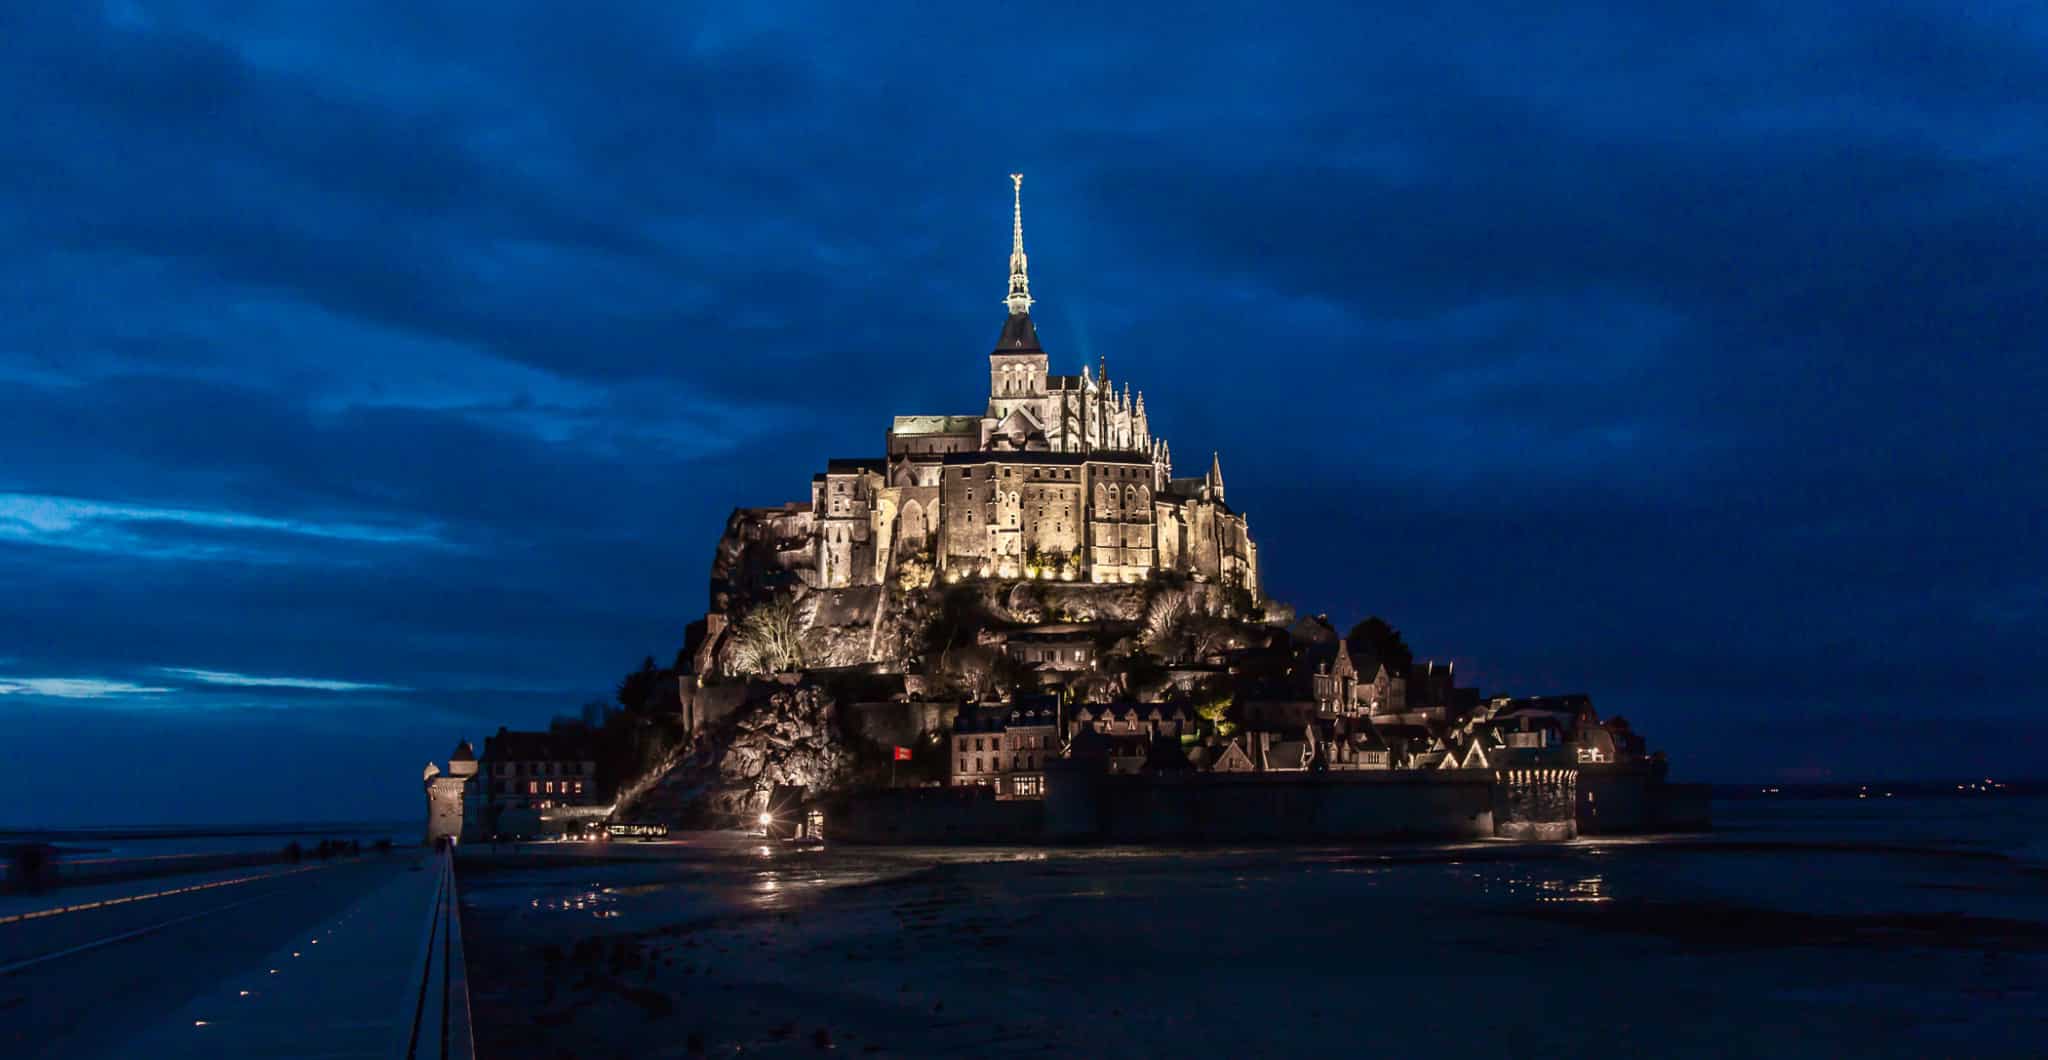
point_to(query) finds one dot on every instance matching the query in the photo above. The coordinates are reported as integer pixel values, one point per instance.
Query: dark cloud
(1685, 355)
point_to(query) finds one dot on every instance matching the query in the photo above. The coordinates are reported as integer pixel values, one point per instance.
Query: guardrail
(440, 1025)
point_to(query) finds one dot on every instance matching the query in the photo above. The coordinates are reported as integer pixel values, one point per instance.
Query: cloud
(76, 688)
(139, 530)
(223, 677)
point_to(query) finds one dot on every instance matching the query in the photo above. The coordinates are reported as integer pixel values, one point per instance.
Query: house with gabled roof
(1230, 757)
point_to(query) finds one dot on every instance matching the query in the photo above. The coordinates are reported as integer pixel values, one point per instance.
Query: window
(533, 787)
(963, 765)
(977, 763)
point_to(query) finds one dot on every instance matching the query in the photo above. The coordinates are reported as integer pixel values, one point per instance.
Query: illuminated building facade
(1060, 477)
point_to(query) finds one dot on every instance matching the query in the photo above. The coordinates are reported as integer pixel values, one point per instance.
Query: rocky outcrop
(762, 552)
(782, 734)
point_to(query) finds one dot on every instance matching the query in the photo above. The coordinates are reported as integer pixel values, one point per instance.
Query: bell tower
(1017, 366)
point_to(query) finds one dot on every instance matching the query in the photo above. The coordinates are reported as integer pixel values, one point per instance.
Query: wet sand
(1769, 944)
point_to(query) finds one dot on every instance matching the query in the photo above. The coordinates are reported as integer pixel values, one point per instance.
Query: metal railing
(440, 1021)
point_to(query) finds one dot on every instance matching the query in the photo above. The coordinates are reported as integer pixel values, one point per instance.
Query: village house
(539, 781)
(1006, 747)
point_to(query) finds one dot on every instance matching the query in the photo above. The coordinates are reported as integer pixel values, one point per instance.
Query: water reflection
(1587, 889)
(597, 901)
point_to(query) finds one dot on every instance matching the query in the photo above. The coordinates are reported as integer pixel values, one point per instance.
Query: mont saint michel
(1020, 625)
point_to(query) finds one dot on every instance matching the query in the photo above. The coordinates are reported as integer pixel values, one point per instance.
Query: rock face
(763, 550)
(781, 734)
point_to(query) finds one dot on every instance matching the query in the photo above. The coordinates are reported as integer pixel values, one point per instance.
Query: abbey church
(1060, 477)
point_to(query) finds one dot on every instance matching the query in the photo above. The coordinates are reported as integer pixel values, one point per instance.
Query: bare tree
(766, 640)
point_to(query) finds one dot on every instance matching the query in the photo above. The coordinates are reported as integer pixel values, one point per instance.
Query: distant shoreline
(205, 831)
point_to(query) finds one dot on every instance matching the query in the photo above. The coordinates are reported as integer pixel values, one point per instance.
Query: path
(321, 961)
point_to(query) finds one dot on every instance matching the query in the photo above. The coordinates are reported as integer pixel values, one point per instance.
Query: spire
(1216, 474)
(1020, 283)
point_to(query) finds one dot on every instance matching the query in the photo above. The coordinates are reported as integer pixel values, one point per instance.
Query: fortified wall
(1084, 806)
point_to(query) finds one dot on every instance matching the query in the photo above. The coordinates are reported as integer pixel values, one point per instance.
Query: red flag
(902, 754)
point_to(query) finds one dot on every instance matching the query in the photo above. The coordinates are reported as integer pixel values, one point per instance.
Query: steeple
(1215, 482)
(1018, 332)
(1020, 282)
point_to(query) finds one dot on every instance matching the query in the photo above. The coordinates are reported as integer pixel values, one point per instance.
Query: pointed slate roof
(1019, 336)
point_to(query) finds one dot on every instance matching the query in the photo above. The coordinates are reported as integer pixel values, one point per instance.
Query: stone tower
(449, 793)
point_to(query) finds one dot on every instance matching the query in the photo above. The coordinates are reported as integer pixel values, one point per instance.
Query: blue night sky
(370, 380)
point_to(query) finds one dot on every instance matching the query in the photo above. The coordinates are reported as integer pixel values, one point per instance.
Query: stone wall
(1536, 803)
(1297, 806)
(1082, 806)
(1615, 799)
(933, 815)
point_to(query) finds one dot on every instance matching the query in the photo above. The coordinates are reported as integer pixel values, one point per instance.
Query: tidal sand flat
(1780, 935)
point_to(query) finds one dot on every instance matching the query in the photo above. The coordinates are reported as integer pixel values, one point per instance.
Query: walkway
(338, 962)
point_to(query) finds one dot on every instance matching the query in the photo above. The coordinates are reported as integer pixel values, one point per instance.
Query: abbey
(1059, 477)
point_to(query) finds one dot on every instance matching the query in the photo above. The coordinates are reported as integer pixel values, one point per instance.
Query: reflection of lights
(273, 971)
(295, 953)
(199, 1023)
(245, 993)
